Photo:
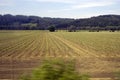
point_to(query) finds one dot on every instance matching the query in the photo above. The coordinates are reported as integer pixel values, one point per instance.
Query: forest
(22, 22)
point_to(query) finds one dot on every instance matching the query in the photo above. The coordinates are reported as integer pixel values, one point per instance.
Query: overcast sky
(60, 8)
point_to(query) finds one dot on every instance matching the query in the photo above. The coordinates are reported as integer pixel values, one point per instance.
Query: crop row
(35, 45)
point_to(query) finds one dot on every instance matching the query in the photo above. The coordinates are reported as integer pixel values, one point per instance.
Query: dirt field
(22, 51)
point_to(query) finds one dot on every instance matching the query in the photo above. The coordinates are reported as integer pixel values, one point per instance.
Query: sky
(60, 8)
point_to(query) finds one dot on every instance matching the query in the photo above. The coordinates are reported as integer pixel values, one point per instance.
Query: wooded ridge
(22, 22)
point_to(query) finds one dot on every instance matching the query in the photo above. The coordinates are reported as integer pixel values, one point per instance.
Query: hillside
(9, 21)
(103, 21)
(34, 22)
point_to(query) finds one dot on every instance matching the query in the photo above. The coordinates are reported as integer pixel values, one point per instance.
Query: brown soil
(12, 69)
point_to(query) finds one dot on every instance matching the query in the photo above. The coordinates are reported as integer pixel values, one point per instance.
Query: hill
(103, 22)
(9, 21)
(20, 22)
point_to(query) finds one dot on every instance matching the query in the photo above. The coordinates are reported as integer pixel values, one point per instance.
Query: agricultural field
(96, 53)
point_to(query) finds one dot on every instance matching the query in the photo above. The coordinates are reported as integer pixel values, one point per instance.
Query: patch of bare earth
(12, 69)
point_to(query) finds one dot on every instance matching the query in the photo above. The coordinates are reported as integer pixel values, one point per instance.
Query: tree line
(22, 22)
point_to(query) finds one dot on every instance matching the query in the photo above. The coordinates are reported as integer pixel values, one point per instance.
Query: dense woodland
(21, 22)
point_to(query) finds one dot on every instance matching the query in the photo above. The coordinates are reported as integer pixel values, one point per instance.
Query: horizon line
(57, 17)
